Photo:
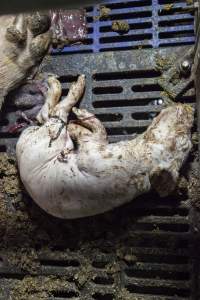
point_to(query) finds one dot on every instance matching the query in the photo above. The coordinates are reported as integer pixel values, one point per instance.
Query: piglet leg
(52, 97)
(94, 126)
(76, 90)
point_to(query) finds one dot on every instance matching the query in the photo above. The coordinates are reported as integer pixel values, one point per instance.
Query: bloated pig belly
(66, 192)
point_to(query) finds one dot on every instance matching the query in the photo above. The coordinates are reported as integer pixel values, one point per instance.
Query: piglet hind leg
(52, 137)
(52, 108)
(46, 148)
(54, 114)
(91, 137)
(52, 98)
(63, 108)
(88, 131)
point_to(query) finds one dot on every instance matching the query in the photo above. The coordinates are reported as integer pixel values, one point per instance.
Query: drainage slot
(77, 50)
(89, 19)
(129, 4)
(125, 48)
(99, 264)
(89, 9)
(172, 11)
(90, 30)
(99, 296)
(132, 26)
(125, 130)
(133, 15)
(170, 23)
(12, 276)
(141, 116)
(65, 294)
(188, 99)
(162, 274)
(175, 34)
(121, 103)
(160, 211)
(60, 263)
(126, 38)
(176, 44)
(146, 88)
(170, 1)
(103, 280)
(158, 241)
(109, 117)
(158, 290)
(163, 259)
(162, 227)
(87, 42)
(68, 78)
(127, 75)
(107, 90)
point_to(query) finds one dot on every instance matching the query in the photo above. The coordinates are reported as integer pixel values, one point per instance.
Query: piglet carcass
(24, 40)
(71, 171)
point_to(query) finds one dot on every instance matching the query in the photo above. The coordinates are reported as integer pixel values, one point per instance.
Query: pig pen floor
(146, 250)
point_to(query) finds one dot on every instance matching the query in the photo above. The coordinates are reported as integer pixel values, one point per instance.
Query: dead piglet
(24, 40)
(73, 180)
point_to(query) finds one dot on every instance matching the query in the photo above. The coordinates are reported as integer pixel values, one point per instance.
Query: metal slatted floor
(153, 24)
(144, 250)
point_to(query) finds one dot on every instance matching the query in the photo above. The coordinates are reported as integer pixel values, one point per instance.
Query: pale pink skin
(21, 50)
(96, 176)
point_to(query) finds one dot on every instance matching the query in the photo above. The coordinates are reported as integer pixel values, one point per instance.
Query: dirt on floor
(38, 288)
(120, 26)
(104, 13)
(26, 232)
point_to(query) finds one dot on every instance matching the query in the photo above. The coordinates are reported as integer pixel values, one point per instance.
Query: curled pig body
(71, 171)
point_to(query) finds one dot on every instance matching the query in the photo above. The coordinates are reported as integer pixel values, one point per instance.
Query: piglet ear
(163, 181)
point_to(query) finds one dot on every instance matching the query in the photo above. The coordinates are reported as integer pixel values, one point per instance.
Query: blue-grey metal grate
(153, 24)
(144, 250)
